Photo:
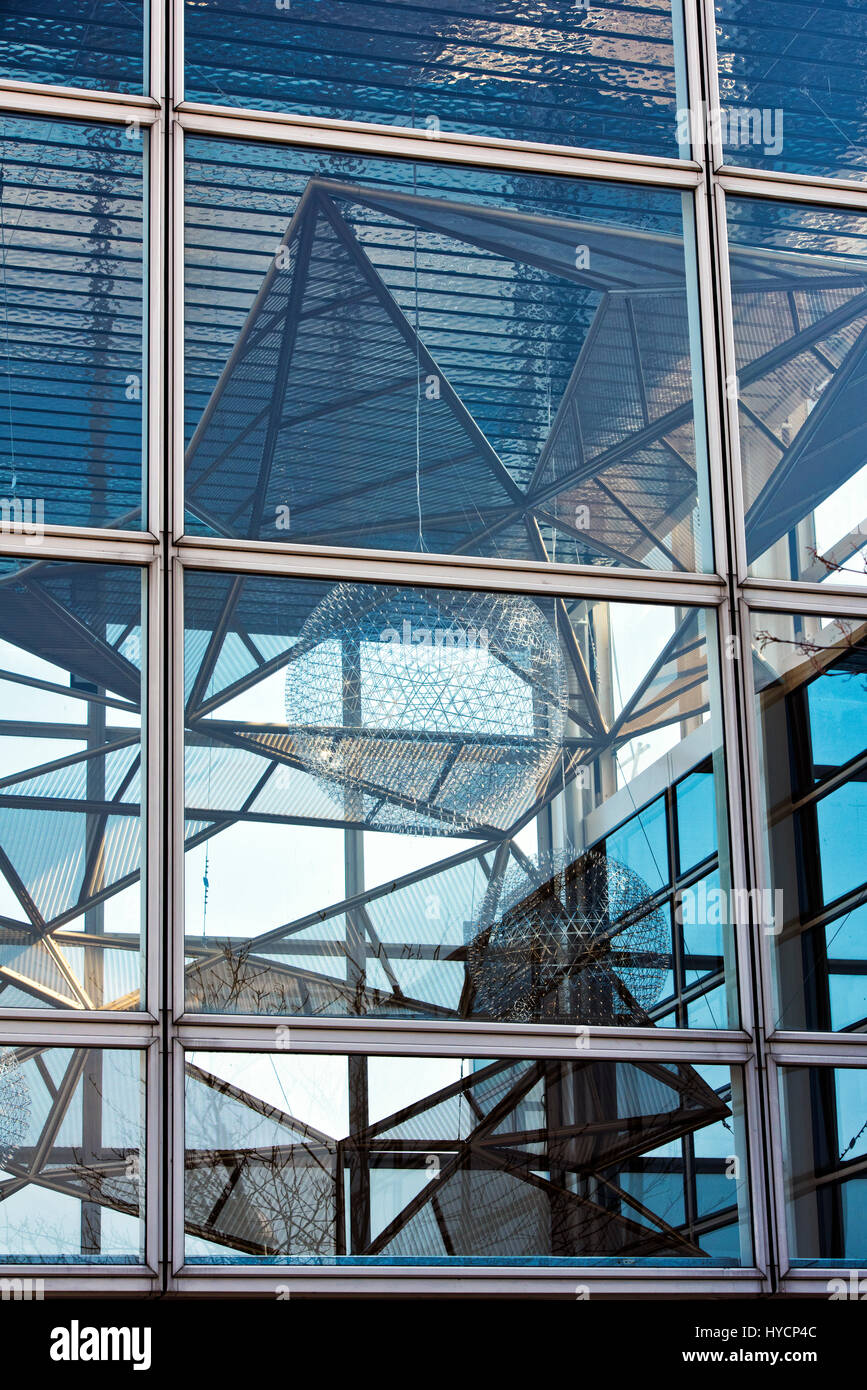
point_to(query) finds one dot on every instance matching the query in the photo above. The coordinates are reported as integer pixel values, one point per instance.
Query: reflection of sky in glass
(38, 1221)
(318, 1091)
(262, 873)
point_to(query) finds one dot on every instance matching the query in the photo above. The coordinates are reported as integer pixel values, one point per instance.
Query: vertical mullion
(166, 13)
(155, 39)
(712, 131)
(733, 648)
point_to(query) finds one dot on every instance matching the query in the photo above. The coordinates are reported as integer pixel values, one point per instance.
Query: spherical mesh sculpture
(421, 707)
(572, 919)
(14, 1107)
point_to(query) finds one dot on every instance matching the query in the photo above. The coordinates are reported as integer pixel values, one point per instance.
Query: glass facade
(607, 76)
(433, 538)
(798, 278)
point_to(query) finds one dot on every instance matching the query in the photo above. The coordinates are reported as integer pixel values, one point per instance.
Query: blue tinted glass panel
(79, 43)
(824, 1128)
(607, 75)
(704, 919)
(696, 819)
(799, 277)
(848, 1000)
(72, 1161)
(792, 85)
(427, 358)
(811, 704)
(838, 718)
(702, 914)
(842, 818)
(846, 948)
(71, 750)
(420, 1160)
(643, 842)
(72, 377)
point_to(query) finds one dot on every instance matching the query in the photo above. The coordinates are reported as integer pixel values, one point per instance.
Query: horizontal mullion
(791, 596)
(450, 147)
(785, 187)
(819, 1049)
(81, 543)
(449, 571)
(77, 103)
(435, 1037)
(77, 1028)
(463, 1281)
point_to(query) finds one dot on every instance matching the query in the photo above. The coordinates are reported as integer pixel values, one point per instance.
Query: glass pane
(71, 836)
(420, 1160)
(73, 372)
(696, 819)
(72, 1155)
(607, 75)
(792, 85)
(79, 43)
(824, 1112)
(799, 287)
(811, 703)
(424, 358)
(422, 803)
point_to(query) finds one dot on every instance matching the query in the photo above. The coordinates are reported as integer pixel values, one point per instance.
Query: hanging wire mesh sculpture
(569, 935)
(419, 707)
(14, 1107)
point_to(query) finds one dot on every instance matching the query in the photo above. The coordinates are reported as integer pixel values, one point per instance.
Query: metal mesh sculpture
(421, 707)
(14, 1107)
(569, 918)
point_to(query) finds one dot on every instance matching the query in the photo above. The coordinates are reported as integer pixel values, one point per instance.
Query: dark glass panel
(79, 43)
(799, 291)
(604, 74)
(791, 80)
(73, 375)
(825, 1144)
(418, 357)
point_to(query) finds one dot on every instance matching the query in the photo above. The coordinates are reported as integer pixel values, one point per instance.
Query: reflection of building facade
(431, 583)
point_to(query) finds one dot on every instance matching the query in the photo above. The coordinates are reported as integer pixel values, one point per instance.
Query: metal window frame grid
(163, 553)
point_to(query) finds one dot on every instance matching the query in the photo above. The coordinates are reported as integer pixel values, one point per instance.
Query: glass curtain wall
(432, 622)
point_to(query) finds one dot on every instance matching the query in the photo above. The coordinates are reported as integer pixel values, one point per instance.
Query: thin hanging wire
(13, 483)
(206, 883)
